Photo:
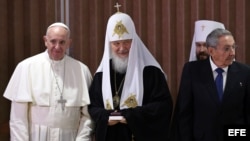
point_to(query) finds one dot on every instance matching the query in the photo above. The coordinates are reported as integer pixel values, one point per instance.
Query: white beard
(119, 64)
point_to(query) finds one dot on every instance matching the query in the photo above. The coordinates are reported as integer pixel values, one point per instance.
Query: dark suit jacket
(199, 115)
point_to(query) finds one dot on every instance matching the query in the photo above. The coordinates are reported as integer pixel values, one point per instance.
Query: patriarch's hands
(114, 122)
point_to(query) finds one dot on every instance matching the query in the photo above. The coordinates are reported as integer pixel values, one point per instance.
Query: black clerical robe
(149, 122)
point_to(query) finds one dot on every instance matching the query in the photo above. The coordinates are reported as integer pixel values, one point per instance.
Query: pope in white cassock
(49, 93)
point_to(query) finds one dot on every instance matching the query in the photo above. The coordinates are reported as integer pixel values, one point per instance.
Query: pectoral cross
(62, 102)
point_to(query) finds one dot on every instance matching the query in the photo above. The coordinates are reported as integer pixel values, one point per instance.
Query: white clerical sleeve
(19, 121)
(19, 87)
(86, 126)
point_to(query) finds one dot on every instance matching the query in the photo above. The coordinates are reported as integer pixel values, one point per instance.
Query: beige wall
(165, 26)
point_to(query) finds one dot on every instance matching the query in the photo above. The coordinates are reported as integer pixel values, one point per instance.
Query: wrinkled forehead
(226, 39)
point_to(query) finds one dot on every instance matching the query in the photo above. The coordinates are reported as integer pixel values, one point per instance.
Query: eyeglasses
(228, 48)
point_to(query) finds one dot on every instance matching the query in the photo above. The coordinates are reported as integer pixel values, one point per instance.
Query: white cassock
(35, 88)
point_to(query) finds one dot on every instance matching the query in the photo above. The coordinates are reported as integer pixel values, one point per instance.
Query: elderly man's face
(121, 48)
(201, 51)
(120, 52)
(224, 53)
(57, 42)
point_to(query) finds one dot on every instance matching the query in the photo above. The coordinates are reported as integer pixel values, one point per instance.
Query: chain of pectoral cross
(61, 100)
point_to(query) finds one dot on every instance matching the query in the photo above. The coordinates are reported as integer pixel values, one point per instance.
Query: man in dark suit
(201, 114)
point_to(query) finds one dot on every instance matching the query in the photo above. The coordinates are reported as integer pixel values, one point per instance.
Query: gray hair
(213, 37)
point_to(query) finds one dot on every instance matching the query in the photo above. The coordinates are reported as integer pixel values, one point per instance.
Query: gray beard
(119, 64)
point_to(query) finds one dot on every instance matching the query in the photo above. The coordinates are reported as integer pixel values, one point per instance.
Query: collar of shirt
(213, 66)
